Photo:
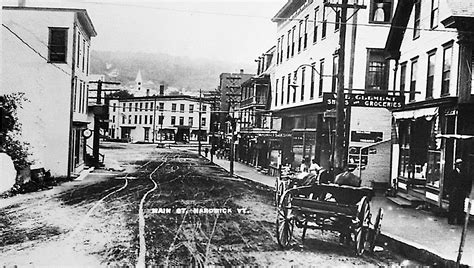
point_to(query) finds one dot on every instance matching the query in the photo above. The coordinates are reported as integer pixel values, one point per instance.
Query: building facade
(159, 119)
(256, 136)
(305, 83)
(46, 56)
(431, 47)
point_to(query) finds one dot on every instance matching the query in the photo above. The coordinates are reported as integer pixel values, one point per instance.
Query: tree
(10, 129)
(121, 94)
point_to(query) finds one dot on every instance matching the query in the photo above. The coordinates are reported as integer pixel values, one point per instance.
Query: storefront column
(465, 42)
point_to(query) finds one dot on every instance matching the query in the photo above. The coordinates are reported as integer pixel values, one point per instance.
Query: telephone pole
(339, 154)
(199, 123)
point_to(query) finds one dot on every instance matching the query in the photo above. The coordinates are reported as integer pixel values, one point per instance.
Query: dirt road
(194, 213)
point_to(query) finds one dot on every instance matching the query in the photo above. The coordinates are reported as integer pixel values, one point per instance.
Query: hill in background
(181, 74)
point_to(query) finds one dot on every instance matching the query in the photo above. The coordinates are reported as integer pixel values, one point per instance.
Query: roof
(82, 14)
(159, 98)
(462, 15)
(287, 10)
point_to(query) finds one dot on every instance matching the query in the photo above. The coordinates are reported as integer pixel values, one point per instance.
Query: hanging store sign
(366, 100)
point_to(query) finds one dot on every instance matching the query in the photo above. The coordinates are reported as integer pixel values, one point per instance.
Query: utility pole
(199, 123)
(154, 120)
(339, 156)
(97, 117)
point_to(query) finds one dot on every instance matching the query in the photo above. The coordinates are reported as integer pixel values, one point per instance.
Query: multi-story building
(305, 83)
(256, 132)
(46, 56)
(159, 119)
(431, 46)
(229, 87)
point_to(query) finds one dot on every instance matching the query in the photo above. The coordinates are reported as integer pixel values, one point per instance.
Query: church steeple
(139, 81)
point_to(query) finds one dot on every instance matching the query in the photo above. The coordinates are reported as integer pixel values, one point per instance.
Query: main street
(168, 207)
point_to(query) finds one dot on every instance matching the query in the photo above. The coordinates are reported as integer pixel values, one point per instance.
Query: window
(430, 74)
(80, 97)
(282, 90)
(78, 49)
(338, 20)
(335, 68)
(162, 106)
(288, 89)
(173, 107)
(123, 119)
(190, 121)
(302, 83)
(203, 121)
(130, 119)
(57, 45)
(173, 120)
(324, 25)
(300, 38)
(140, 119)
(123, 107)
(160, 119)
(113, 119)
(434, 18)
(181, 120)
(288, 45)
(447, 60)
(115, 106)
(278, 51)
(281, 49)
(381, 11)
(305, 36)
(136, 119)
(316, 23)
(311, 91)
(83, 54)
(141, 106)
(294, 89)
(136, 106)
(293, 41)
(130, 107)
(181, 108)
(146, 119)
(151, 119)
(204, 108)
(88, 59)
(403, 75)
(276, 92)
(146, 106)
(416, 25)
(414, 64)
(377, 70)
(321, 77)
(191, 108)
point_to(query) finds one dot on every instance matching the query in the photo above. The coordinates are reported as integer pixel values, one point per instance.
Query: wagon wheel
(284, 222)
(361, 231)
(376, 230)
(279, 190)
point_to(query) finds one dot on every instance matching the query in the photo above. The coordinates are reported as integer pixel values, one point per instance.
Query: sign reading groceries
(366, 100)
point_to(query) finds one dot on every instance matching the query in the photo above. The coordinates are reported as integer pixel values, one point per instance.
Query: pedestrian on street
(206, 151)
(460, 187)
(314, 168)
(303, 167)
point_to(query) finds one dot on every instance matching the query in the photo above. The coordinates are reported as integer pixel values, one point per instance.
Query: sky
(230, 30)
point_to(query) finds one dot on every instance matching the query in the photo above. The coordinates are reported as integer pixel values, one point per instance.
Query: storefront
(425, 159)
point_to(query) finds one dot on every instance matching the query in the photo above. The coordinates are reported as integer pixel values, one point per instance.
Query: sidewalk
(416, 233)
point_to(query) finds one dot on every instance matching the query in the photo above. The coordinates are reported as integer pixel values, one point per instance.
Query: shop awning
(413, 114)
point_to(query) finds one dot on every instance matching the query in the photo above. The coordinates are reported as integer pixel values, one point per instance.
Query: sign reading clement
(366, 100)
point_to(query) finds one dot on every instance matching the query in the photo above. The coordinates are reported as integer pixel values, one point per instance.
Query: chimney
(162, 90)
(147, 92)
(21, 3)
(241, 71)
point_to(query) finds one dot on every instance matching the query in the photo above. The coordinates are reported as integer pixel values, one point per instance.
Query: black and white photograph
(222, 133)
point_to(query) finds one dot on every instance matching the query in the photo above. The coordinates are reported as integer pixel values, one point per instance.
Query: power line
(34, 50)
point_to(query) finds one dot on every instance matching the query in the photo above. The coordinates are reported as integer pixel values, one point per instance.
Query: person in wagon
(303, 167)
